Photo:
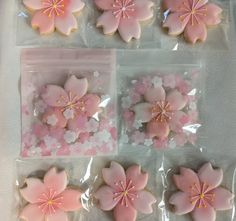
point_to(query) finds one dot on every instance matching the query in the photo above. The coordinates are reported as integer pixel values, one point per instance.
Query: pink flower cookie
(124, 192)
(124, 16)
(191, 17)
(71, 105)
(161, 112)
(49, 199)
(200, 193)
(54, 14)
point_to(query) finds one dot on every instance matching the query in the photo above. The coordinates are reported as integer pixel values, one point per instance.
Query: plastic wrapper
(86, 33)
(68, 102)
(97, 25)
(84, 175)
(159, 104)
(216, 174)
(208, 28)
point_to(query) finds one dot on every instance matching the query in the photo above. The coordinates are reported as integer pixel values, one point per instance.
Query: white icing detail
(52, 120)
(70, 136)
(69, 114)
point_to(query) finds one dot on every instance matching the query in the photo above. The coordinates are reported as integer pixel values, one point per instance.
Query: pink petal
(31, 212)
(57, 216)
(193, 33)
(143, 203)
(33, 4)
(77, 87)
(91, 103)
(129, 28)
(113, 175)
(158, 129)
(106, 198)
(34, 189)
(181, 203)
(155, 94)
(108, 22)
(61, 121)
(43, 22)
(223, 199)
(174, 23)
(213, 16)
(199, 4)
(66, 23)
(172, 5)
(139, 179)
(177, 100)
(71, 200)
(56, 180)
(75, 6)
(178, 120)
(78, 124)
(104, 4)
(206, 214)
(210, 176)
(55, 96)
(143, 9)
(186, 179)
(123, 213)
(143, 112)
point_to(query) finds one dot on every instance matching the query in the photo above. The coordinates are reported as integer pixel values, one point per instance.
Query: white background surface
(219, 119)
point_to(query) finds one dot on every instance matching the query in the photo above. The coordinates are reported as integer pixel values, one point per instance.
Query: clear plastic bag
(68, 102)
(148, 30)
(207, 165)
(85, 175)
(159, 102)
(212, 30)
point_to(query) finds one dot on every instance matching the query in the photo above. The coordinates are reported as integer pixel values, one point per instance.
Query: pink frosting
(49, 199)
(162, 112)
(51, 14)
(124, 16)
(71, 104)
(191, 17)
(124, 192)
(200, 193)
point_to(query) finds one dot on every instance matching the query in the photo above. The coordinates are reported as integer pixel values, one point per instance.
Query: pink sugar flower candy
(69, 104)
(161, 112)
(124, 192)
(191, 17)
(49, 199)
(124, 16)
(200, 193)
(54, 14)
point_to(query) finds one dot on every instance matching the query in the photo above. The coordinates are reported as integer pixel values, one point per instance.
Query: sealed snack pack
(129, 24)
(198, 188)
(68, 102)
(88, 188)
(202, 24)
(160, 107)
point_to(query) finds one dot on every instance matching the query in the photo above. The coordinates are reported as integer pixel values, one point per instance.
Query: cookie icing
(49, 199)
(200, 193)
(191, 17)
(162, 112)
(54, 14)
(124, 192)
(124, 16)
(67, 105)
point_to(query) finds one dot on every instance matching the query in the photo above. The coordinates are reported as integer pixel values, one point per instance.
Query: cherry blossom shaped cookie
(49, 199)
(191, 17)
(124, 16)
(54, 14)
(200, 193)
(124, 192)
(68, 105)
